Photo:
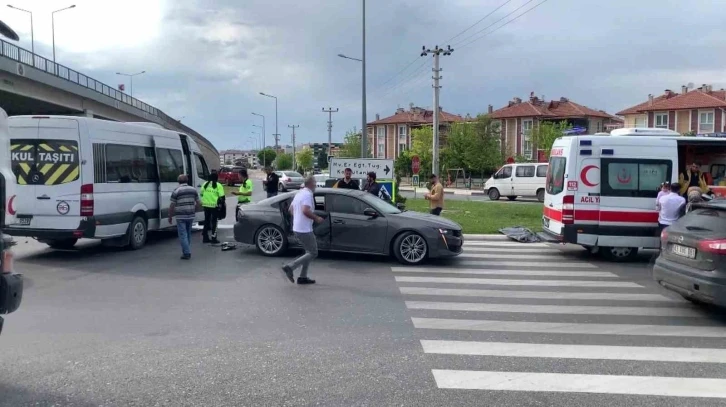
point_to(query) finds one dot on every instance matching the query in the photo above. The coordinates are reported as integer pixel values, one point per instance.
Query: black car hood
(436, 221)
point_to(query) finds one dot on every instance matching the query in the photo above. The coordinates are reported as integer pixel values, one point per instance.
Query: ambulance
(600, 190)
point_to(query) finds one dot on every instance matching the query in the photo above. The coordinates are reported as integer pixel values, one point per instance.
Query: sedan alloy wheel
(411, 248)
(270, 240)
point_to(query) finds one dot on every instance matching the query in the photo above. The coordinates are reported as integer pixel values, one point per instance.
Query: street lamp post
(131, 78)
(364, 128)
(52, 18)
(277, 134)
(32, 35)
(264, 138)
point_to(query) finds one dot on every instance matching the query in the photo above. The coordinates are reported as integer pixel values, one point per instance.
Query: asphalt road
(102, 326)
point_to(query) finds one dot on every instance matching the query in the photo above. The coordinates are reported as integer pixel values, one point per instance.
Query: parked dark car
(692, 261)
(355, 222)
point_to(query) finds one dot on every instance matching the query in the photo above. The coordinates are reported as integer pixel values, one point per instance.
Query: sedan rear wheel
(410, 248)
(270, 240)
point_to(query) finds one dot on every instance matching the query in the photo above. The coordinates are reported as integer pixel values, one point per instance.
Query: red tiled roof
(695, 99)
(554, 109)
(418, 117)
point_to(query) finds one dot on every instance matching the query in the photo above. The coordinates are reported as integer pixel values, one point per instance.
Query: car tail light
(713, 246)
(568, 209)
(87, 200)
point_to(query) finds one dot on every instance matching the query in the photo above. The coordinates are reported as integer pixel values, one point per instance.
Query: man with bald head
(184, 204)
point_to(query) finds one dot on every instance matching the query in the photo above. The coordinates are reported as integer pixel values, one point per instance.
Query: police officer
(210, 194)
(244, 195)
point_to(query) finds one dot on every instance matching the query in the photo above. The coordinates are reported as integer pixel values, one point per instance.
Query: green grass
(485, 217)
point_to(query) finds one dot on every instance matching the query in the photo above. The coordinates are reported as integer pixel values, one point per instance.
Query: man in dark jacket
(375, 188)
(347, 182)
(272, 182)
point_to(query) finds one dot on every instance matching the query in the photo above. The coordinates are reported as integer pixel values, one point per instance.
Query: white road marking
(557, 309)
(570, 328)
(534, 250)
(503, 244)
(469, 255)
(458, 292)
(536, 264)
(494, 272)
(598, 352)
(580, 383)
(524, 282)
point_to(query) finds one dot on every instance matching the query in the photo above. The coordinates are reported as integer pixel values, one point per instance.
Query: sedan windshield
(380, 205)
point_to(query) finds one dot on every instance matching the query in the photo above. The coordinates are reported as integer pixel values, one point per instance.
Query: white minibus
(81, 177)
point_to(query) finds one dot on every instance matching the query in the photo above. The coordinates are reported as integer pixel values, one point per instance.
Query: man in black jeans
(271, 183)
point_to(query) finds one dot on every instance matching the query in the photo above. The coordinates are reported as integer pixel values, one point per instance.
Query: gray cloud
(212, 58)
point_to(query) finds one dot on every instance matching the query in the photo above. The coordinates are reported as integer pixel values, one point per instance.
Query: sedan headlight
(445, 231)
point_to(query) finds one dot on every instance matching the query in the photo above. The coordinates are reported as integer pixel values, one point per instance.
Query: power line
(503, 25)
(400, 72)
(479, 21)
(420, 69)
(458, 43)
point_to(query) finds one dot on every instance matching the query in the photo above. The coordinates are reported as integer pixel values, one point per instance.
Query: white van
(80, 177)
(601, 190)
(8, 193)
(513, 180)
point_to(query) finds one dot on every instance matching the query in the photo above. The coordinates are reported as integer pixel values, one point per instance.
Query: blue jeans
(184, 228)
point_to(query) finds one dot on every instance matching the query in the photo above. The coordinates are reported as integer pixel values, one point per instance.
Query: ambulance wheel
(61, 244)
(540, 195)
(512, 197)
(494, 194)
(619, 254)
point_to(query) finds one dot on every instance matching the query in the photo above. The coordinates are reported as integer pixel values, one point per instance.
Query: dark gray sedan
(355, 222)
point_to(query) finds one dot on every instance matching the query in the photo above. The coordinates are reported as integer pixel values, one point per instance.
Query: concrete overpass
(31, 84)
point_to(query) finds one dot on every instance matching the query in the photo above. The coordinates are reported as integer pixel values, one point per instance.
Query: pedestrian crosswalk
(496, 318)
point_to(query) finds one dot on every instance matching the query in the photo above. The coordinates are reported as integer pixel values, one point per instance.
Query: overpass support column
(88, 113)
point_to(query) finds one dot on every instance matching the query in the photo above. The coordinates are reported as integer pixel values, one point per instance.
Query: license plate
(683, 251)
(546, 222)
(24, 221)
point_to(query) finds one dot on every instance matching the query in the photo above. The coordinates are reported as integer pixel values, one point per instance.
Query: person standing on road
(670, 207)
(375, 188)
(184, 204)
(211, 192)
(272, 182)
(303, 214)
(244, 195)
(347, 182)
(436, 196)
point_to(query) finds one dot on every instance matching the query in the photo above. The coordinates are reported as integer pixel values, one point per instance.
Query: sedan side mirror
(371, 213)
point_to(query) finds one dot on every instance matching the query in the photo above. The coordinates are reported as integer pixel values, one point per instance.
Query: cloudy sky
(207, 60)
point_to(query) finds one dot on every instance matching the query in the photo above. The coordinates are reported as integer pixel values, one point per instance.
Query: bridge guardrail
(26, 57)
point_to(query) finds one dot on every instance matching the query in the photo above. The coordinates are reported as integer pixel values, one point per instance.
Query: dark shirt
(377, 190)
(353, 184)
(694, 181)
(273, 180)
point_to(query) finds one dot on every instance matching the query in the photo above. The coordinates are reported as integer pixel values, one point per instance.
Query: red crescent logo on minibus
(11, 209)
(583, 175)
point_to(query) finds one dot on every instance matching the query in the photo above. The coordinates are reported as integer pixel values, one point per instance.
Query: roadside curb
(466, 192)
(487, 237)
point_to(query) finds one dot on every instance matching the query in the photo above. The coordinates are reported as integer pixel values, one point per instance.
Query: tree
(474, 146)
(266, 156)
(351, 145)
(323, 160)
(402, 165)
(283, 161)
(422, 140)
(545, 134)
(304, 159)
(228, 162)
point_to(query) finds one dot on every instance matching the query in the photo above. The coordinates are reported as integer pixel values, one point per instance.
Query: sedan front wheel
(270, 240)
(410, 248)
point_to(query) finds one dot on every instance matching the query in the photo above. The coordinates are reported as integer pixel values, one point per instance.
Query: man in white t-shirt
(670, 207)
(303, 214)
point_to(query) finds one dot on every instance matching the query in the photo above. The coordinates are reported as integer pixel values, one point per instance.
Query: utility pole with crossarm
(293, 127)
(330, 112)
(436, 53)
